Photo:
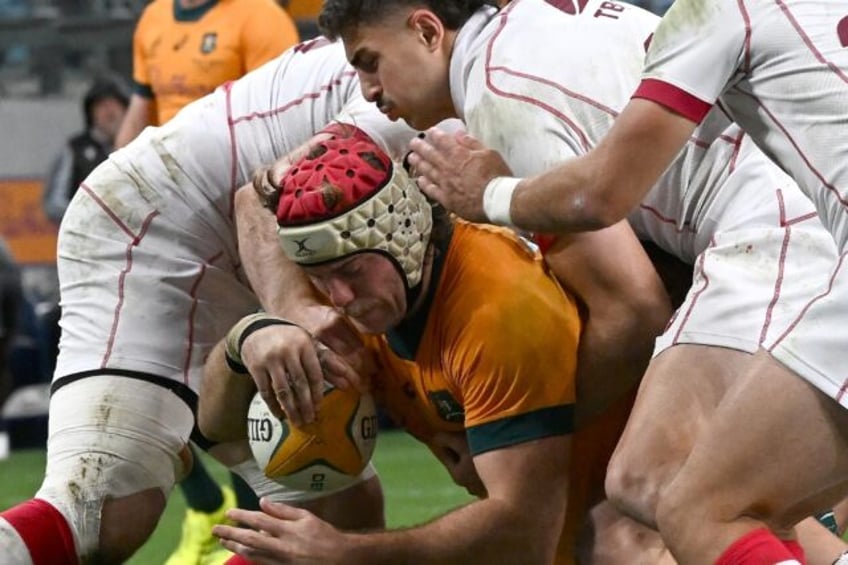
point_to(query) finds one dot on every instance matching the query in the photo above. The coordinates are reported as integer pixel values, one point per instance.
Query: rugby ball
(324, 456)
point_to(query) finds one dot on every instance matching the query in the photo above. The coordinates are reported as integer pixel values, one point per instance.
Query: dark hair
(340, 16)
(101, 89)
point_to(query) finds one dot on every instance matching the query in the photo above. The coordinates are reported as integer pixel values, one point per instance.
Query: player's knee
(632, 486)
(675, 518)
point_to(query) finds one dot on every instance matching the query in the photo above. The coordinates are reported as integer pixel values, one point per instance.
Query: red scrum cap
(348, 196)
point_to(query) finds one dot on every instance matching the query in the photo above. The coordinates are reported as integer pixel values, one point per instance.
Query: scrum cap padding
(347, 196)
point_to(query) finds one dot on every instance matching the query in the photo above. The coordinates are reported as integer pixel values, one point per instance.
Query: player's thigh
(776, 445)
(140, 290)
(677, 398)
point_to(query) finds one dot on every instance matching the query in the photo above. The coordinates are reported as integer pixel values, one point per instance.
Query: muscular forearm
(224, 400)
(279, 284)
(486, 531)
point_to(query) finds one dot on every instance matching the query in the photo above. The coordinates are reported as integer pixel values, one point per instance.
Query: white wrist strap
(497, 199)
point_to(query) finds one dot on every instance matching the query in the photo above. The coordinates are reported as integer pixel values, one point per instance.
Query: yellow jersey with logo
(493, 351)
(182, 54)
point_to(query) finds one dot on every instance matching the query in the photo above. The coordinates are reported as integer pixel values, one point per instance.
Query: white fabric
(541, 84)
(111, 437)
(264, 487)
(780, 68)
(148, 263)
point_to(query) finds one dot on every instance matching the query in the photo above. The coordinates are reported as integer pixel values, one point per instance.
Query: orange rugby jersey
(182, 54)
(494, 352)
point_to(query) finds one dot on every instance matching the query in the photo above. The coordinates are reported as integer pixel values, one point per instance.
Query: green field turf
(416, 486)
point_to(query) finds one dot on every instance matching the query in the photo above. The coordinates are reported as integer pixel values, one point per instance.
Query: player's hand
(454, 169)
(289, 367)
(330, 326)
(282, 534)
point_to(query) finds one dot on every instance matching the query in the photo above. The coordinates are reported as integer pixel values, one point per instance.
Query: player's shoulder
(495, 282)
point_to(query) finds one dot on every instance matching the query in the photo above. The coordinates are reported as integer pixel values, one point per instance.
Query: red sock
(45, 532)
(795, 548)
(237, 560)
(759, 547)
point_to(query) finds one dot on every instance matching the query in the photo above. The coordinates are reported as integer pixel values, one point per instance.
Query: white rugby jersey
(780, 69)
(192, 165)
(542, 81)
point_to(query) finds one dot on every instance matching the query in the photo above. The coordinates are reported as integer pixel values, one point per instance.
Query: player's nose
(370, 89)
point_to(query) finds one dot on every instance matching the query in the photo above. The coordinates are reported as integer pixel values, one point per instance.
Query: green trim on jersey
(143, 90)
(192, 14)
(512, 430)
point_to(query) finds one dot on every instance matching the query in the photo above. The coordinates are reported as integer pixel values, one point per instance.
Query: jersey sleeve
(693, 55)
(514, 368)
(269, 31)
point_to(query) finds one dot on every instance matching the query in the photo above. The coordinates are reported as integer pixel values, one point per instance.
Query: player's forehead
(344, 266)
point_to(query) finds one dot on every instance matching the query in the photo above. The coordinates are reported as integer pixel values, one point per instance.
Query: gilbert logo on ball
(324, 456)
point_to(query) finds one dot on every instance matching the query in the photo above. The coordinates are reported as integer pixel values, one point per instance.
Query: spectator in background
(104, 107)
(183, 50)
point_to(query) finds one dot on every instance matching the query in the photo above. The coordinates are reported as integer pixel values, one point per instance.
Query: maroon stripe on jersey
(673, 98)
(584, 140)
(193, 294)
(801, 218)
(701, 268)
(810, 303)
(121, 281)
(842, 200)
(666, 220)
(781, 267)
(809, 43)
(108, 211)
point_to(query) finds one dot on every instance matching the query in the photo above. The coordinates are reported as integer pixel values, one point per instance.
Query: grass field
(416, 486)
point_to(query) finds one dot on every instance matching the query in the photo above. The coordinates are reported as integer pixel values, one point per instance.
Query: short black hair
(340, 16)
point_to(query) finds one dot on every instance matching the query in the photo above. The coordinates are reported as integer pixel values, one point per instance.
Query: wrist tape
(497, 198)
(239, 332)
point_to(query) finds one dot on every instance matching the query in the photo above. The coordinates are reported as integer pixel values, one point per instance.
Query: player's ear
(428, 27)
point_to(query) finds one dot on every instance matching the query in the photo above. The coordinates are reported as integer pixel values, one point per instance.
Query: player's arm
(224, 399)
(140, 114)
(626, 308)
(590, 192)
(519, 522)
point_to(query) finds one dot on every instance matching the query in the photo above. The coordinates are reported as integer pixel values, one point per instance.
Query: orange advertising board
(29, 234)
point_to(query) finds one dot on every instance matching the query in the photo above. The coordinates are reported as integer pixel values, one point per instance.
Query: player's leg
(116, 446)
(774, 454)
(611, 538)
(138, 292)
(676, 400)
